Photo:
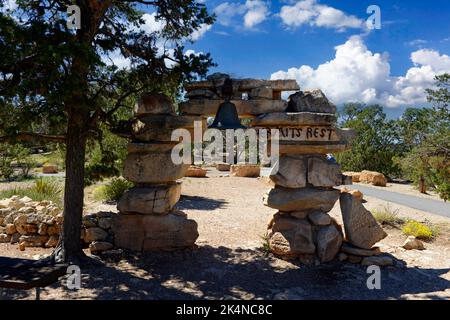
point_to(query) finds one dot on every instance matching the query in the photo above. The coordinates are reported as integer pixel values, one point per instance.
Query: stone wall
(29, 223)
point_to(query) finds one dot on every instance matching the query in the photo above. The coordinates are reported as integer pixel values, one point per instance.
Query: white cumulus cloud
(252, 13)
(314, 14)
(357, 74)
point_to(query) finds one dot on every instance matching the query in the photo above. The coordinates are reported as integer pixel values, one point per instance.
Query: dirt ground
(230, 263)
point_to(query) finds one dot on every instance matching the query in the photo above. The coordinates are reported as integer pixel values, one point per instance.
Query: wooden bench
(25, 274)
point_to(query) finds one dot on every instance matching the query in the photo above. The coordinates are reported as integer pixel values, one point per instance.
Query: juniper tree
(60, 84)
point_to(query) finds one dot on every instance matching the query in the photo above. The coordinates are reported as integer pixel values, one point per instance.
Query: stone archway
(303, 190)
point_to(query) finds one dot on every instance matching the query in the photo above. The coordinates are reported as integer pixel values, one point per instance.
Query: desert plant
(265, 244)
(114, 190)
(387, 216)
(42, 190)
(46, 186)
(418, 230)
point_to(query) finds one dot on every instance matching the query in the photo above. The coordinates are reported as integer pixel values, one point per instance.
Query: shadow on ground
(199, 203)
(222, 273)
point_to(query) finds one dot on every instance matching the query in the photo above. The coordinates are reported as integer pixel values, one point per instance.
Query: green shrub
(114, 190)
(42, 190)
(47, 186)
(418, 230)
(387, 216)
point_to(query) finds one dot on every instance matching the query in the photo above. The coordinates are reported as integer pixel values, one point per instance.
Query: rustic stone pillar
(304, 179)
(147, 219)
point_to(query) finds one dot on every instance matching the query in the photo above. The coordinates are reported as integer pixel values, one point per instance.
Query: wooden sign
(308, 133)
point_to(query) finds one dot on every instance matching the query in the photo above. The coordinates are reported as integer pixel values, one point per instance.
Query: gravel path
(429, 205)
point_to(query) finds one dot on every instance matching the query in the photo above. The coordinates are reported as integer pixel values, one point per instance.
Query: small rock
(342, 256)
(223, 166)
(378, 261)
(411, 243)
(42, 229)
(99, 246)
(52, 241)
(10, 228)
(329, 240)
(22, 246)
(95, 234)
(53, 230)
(26, 199)
(105, 223)
(15, 238)
(4, 238)
(319, 218)
(33, 240)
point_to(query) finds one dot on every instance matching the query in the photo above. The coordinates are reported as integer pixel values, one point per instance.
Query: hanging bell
(227, 117)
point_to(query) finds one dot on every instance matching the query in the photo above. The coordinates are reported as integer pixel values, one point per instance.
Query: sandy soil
(229, 262)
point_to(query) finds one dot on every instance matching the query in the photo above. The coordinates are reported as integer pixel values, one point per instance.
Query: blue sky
(392, 65)
(326, 44)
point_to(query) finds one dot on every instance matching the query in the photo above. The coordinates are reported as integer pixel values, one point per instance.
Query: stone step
(150, 200)
(152, 168)
(152, 232)
(304, 199)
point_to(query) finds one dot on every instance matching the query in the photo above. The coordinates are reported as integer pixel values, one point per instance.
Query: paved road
(427, 205)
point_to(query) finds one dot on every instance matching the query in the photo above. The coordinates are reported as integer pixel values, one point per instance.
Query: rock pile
(147, 220)
(370, 177)
(304, 179)
(29, 223)
(97, 232)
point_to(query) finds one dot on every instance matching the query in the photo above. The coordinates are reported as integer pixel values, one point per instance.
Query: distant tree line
(416, 146)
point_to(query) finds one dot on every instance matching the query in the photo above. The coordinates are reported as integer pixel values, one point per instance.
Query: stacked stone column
(147, 219)
(304, 178)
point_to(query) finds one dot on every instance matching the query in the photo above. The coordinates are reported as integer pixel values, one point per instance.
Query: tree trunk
(69, 248)
(422, 186)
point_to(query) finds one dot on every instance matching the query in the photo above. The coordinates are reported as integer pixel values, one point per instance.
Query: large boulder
(361, 228)
(95, 234)
(323, 173)
(287, 199)
(290, 236)
(222, 166)
(196, 172)
(245, 170)
(373, 177)
(290, 171)
(152, 168)
(329, 240)
(151, 232)
(353, 175)
(150, 200)
(310, 101)
(153, 103)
